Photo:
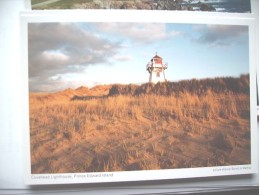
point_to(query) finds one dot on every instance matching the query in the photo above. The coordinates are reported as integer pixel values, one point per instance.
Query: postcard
(232, 6)
(139, 100)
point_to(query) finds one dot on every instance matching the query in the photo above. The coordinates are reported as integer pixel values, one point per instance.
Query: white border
(138, 16)
(27, 4)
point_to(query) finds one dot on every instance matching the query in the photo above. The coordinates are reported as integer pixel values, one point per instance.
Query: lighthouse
(156, 69)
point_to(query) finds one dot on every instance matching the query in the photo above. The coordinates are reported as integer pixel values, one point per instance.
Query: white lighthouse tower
(156, 69)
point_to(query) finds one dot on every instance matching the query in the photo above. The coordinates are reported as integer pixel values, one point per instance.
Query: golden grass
(146, 132)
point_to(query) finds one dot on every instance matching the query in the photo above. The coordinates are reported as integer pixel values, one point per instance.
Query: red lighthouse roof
(156, 56)
(157, 59)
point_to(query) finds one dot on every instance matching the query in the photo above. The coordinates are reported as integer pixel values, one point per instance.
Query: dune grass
(144, 132)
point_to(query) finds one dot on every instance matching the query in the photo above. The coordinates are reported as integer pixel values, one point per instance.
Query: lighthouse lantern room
(156, 69)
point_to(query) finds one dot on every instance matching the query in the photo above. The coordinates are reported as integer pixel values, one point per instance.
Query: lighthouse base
(156, 77)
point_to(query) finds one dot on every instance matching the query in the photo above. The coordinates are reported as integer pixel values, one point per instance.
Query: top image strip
(231, 6)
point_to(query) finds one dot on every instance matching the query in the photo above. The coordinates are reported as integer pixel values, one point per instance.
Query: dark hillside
(194, 87)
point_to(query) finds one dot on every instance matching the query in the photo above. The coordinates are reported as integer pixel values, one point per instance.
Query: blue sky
(70, 55)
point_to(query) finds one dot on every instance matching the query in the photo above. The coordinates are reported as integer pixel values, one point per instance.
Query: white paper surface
(11, 144)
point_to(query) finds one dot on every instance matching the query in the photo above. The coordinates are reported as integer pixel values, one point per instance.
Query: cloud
(122, 58)
(176, 33)
(136, 32)
(220, 35)
(56, 48)
(55, 56)
(47, 84)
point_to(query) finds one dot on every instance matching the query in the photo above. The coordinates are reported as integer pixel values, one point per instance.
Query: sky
(70, 55)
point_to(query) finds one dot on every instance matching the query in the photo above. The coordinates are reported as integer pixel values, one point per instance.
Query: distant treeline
(194, 86)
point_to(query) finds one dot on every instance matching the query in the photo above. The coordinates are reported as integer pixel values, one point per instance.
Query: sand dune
(145, 132)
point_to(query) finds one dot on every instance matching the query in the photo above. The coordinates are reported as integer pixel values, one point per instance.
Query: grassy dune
(144, 132)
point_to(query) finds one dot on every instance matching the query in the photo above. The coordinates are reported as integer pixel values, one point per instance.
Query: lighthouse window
(157, 74)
